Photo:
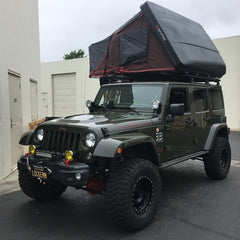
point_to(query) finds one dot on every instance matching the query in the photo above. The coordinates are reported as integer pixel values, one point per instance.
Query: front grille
(59, 141)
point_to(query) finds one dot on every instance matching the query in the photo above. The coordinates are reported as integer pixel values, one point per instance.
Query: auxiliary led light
(69, 155)
(32, 149)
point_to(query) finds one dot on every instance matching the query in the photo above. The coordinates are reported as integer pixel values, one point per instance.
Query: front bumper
(57, 169)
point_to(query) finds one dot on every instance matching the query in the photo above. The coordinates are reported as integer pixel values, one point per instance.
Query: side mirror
(177, 109)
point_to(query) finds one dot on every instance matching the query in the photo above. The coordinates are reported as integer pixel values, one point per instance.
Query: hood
(112, 121)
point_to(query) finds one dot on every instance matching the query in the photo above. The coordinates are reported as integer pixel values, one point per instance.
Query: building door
(34, 100)
(64, 94)
(44, 104)
(15, 101)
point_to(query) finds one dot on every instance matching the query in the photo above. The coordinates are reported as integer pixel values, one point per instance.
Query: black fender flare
(214, 131)
(107, 147)
(27, 138)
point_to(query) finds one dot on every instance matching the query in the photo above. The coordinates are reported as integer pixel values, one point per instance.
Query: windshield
(128, 96)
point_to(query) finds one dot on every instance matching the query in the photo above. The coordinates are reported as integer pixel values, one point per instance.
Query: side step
(182, 159)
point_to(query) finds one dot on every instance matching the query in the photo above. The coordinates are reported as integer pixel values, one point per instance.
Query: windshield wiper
(132, 109)
(105, 107)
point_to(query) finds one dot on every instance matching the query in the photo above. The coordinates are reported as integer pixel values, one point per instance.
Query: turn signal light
(119, 150)
(32, 149)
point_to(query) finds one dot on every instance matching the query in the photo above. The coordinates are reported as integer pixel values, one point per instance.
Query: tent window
(133, 47)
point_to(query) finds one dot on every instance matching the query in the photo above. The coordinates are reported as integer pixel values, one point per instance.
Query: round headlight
(40, 134)
(90, 140)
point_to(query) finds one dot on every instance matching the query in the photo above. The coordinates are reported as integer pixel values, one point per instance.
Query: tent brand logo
(161, 33)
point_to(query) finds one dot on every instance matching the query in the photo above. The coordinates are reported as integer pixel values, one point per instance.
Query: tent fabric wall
(164, 41)
(155, 58)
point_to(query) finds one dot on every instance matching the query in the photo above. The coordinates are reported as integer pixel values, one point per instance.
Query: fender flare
(107, 147)
(27, 138)
(213, 134)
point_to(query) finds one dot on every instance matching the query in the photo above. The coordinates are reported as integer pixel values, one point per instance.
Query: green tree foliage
(74, 54)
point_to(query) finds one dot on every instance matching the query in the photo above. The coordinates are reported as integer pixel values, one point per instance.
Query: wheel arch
(132, 146)
(144, 150)
(27, 138)
(217, 130)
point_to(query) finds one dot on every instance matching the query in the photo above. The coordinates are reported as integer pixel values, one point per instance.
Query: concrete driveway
(191, 207)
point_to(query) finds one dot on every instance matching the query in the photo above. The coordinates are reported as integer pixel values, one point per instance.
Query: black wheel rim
(223, 160)
(142, 195)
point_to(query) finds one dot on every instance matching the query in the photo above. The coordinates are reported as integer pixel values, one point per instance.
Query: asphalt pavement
(191, 207)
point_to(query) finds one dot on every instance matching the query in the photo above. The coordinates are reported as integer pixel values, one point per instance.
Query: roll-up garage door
(64, 94)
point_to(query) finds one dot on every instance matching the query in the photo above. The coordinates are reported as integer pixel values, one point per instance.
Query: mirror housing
(177, 109)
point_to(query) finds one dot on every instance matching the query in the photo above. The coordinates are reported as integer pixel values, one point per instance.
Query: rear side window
(217, 99)
(200, 100)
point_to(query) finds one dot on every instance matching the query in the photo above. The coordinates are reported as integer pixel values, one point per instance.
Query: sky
(67, 25)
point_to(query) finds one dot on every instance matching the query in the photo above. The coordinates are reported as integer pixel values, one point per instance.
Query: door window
(217, 99)
(200, 100)
(180, 95)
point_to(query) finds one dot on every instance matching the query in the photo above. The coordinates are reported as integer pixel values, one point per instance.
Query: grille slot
(59, 141)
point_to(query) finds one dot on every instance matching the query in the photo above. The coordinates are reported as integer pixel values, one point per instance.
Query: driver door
(179, 128)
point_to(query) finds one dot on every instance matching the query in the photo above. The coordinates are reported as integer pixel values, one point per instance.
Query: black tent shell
(156, 40)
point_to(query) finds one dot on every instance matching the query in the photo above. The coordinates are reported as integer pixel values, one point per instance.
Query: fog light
(78, 176)
(69, 155)
(32, 149)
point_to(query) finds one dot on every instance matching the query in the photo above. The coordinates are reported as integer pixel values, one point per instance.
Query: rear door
(201, 116)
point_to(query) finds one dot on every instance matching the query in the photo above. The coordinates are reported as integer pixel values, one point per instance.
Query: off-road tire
(217, 162)
(33, 188)
(132, 193)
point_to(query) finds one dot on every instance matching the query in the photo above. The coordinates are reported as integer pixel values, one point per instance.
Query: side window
(200, 100)
(180, 95)
(217, 99)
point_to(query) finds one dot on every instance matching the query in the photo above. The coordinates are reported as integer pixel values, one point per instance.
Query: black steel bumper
(57, 170)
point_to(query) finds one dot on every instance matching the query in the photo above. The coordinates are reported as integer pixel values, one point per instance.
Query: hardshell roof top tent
(156, 40)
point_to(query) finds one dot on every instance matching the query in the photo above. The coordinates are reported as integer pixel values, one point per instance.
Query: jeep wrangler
(133, 129)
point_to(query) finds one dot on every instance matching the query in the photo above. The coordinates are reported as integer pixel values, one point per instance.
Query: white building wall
(19, 53)
(229, 49)
(86, 88)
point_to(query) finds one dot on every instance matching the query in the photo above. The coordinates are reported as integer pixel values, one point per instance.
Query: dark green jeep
(133, 129)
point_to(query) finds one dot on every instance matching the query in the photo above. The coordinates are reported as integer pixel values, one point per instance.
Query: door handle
(189, 121)
(12, 124)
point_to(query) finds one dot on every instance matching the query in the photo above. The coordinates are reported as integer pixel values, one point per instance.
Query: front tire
(133, 192)
(40, 191)
(217, 162)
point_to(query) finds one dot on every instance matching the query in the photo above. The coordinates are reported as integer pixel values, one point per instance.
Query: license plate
(39, 173)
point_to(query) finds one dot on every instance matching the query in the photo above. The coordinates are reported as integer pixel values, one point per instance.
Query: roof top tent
(156, 40)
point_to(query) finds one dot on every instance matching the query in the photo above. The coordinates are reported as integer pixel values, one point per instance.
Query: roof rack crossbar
(161, 76)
